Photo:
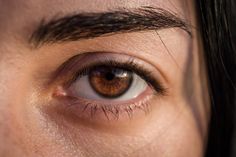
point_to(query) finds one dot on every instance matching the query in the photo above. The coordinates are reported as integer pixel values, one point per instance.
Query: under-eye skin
(107, 86)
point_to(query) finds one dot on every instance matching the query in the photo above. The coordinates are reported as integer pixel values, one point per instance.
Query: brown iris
(110, 82)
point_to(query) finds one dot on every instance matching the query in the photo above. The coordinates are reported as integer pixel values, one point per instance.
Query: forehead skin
(26, 131)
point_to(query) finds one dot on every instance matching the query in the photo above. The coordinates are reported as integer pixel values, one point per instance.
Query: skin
(31, 124)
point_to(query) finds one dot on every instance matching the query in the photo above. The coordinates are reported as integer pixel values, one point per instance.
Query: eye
(109, 83)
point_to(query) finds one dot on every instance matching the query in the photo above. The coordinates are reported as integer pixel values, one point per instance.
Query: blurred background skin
(176, 126)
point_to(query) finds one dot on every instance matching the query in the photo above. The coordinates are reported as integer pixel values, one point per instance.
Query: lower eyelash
(111, 111)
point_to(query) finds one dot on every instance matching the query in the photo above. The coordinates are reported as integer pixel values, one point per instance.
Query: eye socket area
(141, 83)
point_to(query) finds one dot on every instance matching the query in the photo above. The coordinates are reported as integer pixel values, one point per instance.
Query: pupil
(109, 76)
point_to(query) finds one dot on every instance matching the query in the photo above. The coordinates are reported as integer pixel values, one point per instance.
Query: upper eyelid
(74, 60)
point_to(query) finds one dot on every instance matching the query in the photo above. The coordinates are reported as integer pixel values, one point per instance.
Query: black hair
(216, 30)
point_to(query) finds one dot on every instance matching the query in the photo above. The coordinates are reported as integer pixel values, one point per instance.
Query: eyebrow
(90, 25)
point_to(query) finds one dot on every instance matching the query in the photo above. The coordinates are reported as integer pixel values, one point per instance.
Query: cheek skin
(21, 128)
(12, 92)
(169, 131)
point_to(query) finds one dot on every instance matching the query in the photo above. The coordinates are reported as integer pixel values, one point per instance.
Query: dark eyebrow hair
(91, 25)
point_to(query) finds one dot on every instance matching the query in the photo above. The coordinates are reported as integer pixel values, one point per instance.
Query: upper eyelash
(129, 65)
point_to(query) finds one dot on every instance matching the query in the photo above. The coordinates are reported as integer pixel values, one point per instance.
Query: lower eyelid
(102, 111)
(102, 114)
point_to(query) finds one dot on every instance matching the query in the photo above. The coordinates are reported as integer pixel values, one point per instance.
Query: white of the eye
(82, 88)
